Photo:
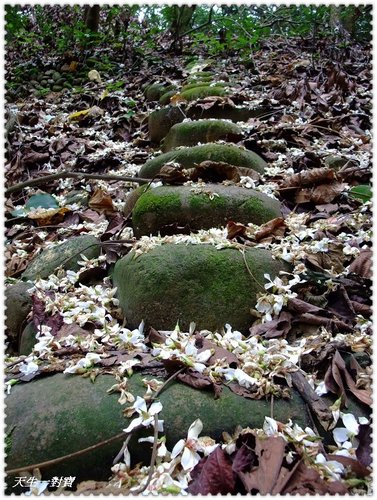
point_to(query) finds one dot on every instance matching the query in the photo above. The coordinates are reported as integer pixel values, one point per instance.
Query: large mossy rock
(18, 305)
(190, 133)
(189, 157)
(161, 120)
(66, 254)
(200, 92)
(177, 282)
(194, 85)
(61, 414)
(213, 207)
(154, 91)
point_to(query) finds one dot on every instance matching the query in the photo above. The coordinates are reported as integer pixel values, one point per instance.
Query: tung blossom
(146, 416)
(189, 447)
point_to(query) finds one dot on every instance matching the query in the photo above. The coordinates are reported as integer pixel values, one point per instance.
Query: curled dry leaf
(308, 178)
(272, 228)
(235, 229)
(338, 380)
(325, 193)
(101, 202)
(213, 475)
(362, 265)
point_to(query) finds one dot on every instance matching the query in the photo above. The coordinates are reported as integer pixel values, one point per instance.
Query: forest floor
(316, 139)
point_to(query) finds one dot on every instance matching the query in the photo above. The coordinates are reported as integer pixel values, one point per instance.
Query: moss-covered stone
(189, 157)
(154, 91)
(132, 198)
(201, 74)
(60, 414)
(199, 83)
(161, 120)
(335, 162)
(190, 133)
(200, 92)
(66, 254)
(197, 283)
(217, 204)
(28, 339)
(165, 98)
(18, 305)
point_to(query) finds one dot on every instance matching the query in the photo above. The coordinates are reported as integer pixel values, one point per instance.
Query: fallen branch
(74, 175)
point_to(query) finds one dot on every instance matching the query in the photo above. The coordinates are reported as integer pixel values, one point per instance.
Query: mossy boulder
(180, 206)
(196, 84)
(201, 75)
(28, 339)
(190, 133)
(200, 92)
(165, 98)
(177, 282)
(18, 305)
(66, 254)
(154, 91)
(189, 157)
(61, 414)
(161, 120)
(132, 198)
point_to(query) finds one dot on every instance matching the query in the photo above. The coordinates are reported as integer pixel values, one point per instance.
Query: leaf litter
(304, 323)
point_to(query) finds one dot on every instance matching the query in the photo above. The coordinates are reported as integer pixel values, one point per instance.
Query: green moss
(256, 205)
(192, 283)
(188, 157)
(200, 92)
(150, 203)
(194, 85)
(200, 201)
(154, 91)
(165, 98)
(191, 132)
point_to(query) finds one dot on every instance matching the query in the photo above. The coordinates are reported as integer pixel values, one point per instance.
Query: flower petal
(189, 459)
(195, 429)
(134, 423)
(350, 423)
(178, 447)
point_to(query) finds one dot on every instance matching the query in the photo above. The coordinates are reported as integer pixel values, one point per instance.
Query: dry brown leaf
(49, 217)
(263, 478)
(235, 229)
(309, 178)
(324, 193)
(362, 265)
(270, 228)
(215, 171)
(101, 202)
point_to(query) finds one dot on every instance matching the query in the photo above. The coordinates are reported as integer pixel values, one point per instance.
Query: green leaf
(43, 200)
(361, 192)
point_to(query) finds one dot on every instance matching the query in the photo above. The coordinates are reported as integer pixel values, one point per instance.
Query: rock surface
(60, 414)
(189, 157)
(178, 282)
(191, 133)
(66, 254)
(183, 207)
(18, 305)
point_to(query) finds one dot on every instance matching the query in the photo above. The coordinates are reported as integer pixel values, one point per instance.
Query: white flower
(321, 389)
(28, 368)
(270, 426)
(334, 468)
(89, 360)
(37, 488)
(146, 417)
(192, 445)
(190, 457)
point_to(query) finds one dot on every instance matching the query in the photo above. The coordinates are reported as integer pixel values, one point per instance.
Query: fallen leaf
(262, 478)
(364, 448)
(213, 475)
(362, 265)
(325, 193)
(101, 202)
(272, 228)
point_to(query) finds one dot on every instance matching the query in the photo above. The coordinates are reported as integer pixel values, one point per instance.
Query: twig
(153, 458)
(74, 175)
(249, 271)
(65, 457)
(125, 444)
